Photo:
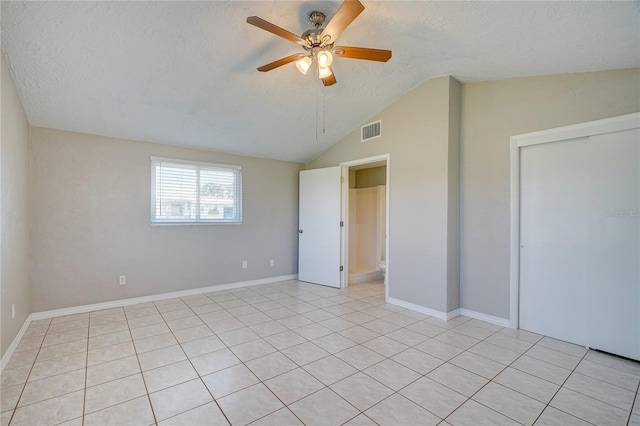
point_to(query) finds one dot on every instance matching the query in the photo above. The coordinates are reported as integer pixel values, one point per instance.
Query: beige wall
(423, 174)
(91, 223)
(417, 136)
(373, 176)
(14, 211)
(453, 210)
(492, 111)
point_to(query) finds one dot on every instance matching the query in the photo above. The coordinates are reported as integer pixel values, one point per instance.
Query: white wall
(91, 223)
(493, 111)
(14, 211)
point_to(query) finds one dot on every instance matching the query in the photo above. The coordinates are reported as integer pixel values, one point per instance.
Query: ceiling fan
(318, 42)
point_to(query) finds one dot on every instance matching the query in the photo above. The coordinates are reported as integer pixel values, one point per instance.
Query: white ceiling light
(324, 59)
(303, 65)
(324, 72)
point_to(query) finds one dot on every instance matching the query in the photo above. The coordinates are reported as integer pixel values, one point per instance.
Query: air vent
(371, 131)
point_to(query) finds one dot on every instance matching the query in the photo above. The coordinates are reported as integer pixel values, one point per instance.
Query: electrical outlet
(13, 310)
(123, 279)
(244, 264)
(272, 262)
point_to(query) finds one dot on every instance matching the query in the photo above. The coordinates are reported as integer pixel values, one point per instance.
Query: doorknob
(300, 231)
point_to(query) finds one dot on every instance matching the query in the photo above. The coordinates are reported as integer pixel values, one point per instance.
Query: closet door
(613, 274)
(580, 241)
(553, 239)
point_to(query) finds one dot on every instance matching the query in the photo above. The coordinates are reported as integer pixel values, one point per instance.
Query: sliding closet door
(613, 292)
(580, 241)
(553, 239)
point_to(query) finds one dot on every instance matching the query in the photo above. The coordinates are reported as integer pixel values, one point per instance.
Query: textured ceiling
(184, 73)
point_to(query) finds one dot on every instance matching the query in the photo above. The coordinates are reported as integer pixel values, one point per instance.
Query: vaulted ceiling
(184, 73)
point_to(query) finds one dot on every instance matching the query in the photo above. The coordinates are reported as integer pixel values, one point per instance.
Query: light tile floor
(295, 353)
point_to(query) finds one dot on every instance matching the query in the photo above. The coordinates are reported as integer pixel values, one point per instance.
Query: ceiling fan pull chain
(316, 114)
(324, 110)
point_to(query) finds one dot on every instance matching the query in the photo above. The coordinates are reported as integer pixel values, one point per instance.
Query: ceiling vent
(371, 131)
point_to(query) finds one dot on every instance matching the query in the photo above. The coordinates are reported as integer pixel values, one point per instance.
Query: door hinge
(341, 224)
(341, 179)
(341, 268)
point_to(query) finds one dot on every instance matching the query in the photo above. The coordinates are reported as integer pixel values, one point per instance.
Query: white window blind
(193, 192)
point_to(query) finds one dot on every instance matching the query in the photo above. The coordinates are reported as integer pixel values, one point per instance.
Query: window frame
(199, 166)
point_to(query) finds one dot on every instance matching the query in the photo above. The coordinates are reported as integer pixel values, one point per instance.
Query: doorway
(365, 251)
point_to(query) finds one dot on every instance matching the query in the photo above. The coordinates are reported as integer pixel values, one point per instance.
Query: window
(192, 192)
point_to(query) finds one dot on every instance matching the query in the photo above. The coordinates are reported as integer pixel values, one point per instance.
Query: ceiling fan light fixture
(303, 65)
(324, 58)
(324, 72)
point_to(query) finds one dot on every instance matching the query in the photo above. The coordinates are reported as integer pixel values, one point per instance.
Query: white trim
(590, 128)
(374, 159)
(344, 217)
(502, 322)
(445, 316)
(14, 345)
(133, 301)
(514, 230)
(574, 131)
(195, 163)
(453, 314)
(387, 228)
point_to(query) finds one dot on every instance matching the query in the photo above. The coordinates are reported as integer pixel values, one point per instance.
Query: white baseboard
(427, 311)
(503, 322)
(363, 277)
(453, 314)
(152, 298)
(125, 302)
(16, 341)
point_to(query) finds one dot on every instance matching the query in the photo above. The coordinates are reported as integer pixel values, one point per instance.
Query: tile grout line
(562, 386)
(583, 358)
(26, 380)
(135, 349)
(546, 405)
(191, 363)
(86, 372)
(262, 381)
(297, 366)
(633, 403)
(470, 398)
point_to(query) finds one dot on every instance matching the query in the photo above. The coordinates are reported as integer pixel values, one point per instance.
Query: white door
(613, 294)
(553, 239)
(580, 241)
(319, 226)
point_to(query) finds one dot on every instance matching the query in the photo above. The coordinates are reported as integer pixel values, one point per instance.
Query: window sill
(193, 223)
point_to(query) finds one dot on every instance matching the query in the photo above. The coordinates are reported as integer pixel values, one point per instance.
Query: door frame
(344, 249)
(590, 128)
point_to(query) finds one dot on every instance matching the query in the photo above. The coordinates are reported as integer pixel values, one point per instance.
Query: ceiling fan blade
(348, 11)
(280, 62)
(362, 53)
(274, 29)
(331, 80)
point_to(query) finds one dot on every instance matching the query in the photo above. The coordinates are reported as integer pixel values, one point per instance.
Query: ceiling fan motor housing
(317, 18)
